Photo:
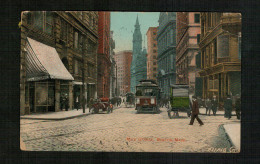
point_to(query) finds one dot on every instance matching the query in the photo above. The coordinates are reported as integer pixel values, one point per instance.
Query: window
(63, 30)
(154, 57)
(154, 51)
(80, 42)
(196, 18)
(154, 63)
(154, 69)
(154, 33)
(154, 45)
(76, 39)
(43, 21)
(76, 71)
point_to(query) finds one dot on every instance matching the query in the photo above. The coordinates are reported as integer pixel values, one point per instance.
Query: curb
(221, 127)
(56, 119)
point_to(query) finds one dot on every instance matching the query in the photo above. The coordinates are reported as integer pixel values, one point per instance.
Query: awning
(43, 62)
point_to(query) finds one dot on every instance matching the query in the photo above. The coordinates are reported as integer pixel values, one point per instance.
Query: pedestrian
(195, 111)
(66, 102)
(238, 106)
(208, 106)
(62, 101)
(77, 103)
(214, 103)
(228, 107)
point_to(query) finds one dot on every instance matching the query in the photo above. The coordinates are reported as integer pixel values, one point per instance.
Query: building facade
(104, 63)
(58, 57)
(138, 64)
(188, 30)
(113, 66)
(220, 45)
(152, 53)
(123, 64)
(166, 39)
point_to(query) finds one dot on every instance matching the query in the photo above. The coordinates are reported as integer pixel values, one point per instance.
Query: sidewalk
(233, 132)
(61, 115)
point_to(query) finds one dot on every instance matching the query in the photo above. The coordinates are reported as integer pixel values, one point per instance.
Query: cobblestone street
(125, 131)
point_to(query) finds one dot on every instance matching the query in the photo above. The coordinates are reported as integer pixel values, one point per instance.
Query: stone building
(220, 44)
(152, 53)
(58, 56)
(104, 63)
(166, 39)
(138, 64)
(123, 63)
(113, 66)
(188, 29)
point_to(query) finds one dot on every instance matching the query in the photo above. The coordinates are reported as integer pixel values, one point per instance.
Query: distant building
(104, 63)
(58, 55)
(152, 53)
(166, 39)
(220, 45)
(188, 29)
(123, 61)
(138, 64)
(113, 66)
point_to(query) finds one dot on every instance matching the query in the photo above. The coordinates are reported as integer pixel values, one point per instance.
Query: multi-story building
(104, 63)
(113, 66)
(123, 61)
(152, 53)
(58, 57)
(166, 39)
(188, 29)
(138, 64)
(220, 54)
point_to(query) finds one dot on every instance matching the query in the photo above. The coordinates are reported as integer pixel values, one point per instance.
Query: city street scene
(98, 81)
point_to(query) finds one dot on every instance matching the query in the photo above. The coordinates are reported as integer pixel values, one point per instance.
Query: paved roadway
(125, 131)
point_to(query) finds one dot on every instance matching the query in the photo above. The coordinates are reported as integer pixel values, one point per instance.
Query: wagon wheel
(173, 114)
(91, 110)
(108, 110)
(96, 110)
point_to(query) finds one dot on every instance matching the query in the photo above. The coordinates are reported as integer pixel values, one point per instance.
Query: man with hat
(195, 111)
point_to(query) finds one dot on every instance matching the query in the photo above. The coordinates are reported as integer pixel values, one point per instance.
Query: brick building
(123, 61)
(58, 56)
(152, 52)
(220, 45)
(166, 39)
(104, 63)
(188, 29)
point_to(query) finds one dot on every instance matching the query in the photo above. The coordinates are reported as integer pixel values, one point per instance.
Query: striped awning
(43, 62)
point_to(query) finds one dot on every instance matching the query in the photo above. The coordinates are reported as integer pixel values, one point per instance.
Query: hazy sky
(122, 23)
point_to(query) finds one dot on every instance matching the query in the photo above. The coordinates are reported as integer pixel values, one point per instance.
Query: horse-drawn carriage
(179, 100)
(130, 99)
(102, 104)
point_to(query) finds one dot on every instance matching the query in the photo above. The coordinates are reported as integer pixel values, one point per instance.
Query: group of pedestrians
(213, 105)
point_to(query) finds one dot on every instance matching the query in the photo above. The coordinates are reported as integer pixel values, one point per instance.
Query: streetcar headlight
(137, 101)
(152, 101)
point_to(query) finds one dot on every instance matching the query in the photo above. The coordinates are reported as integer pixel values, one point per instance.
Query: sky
(122, 23)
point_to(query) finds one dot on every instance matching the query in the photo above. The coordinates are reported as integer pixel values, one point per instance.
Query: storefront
(47, 79)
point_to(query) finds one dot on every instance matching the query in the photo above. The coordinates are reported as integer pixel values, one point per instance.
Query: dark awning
(43, 62)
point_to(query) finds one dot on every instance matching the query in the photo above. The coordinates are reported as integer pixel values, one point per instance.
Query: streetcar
(147, 97)
(130, 99)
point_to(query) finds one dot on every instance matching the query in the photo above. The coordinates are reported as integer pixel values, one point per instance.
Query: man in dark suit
(195, 111)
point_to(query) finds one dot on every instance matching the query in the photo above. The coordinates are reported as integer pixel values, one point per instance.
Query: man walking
(214, 105)
(228, 107)
(208, 106)
(195, 111)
